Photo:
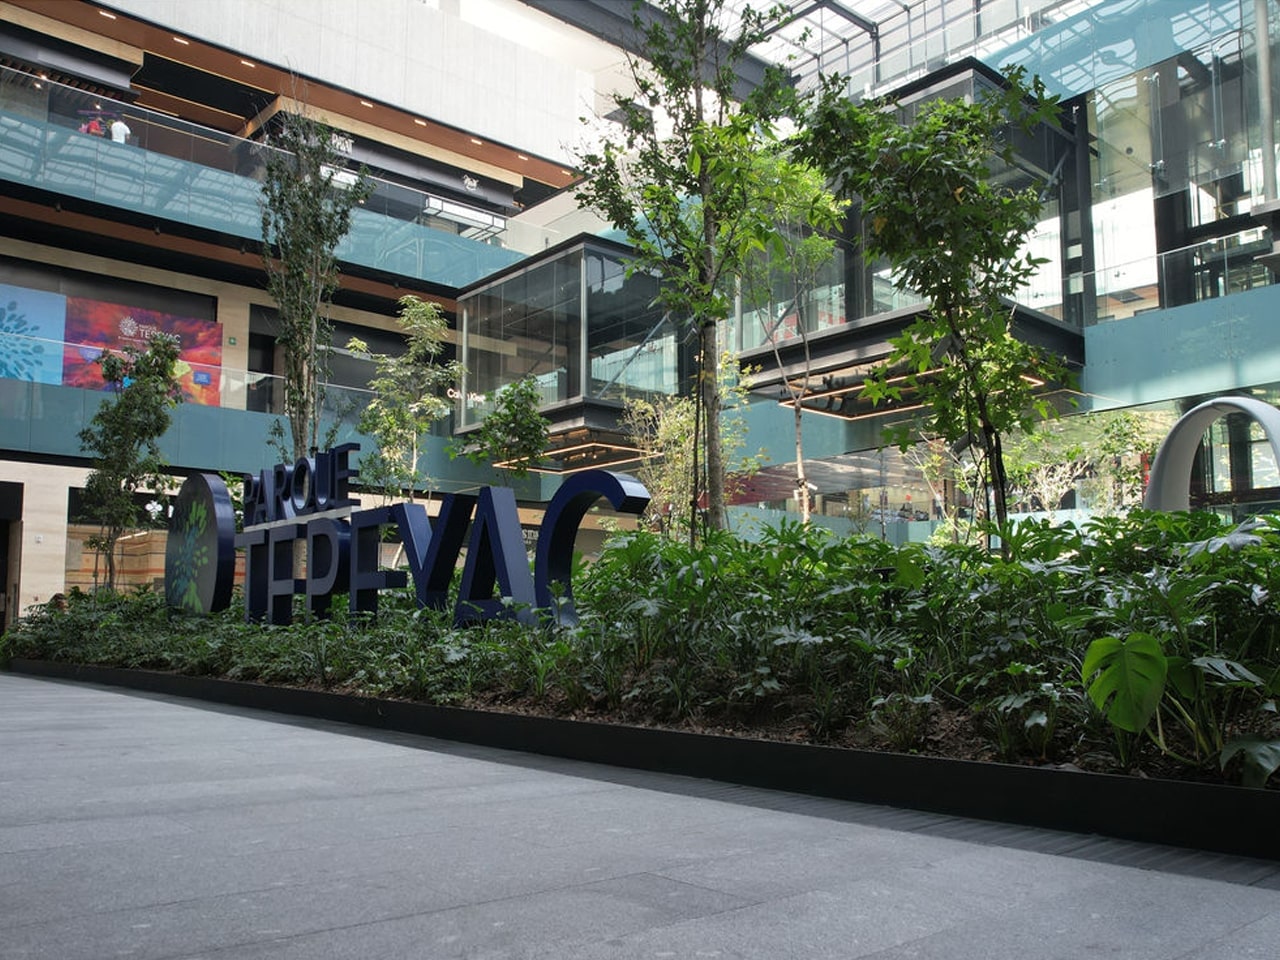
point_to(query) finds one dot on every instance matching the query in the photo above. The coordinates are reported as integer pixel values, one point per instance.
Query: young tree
(1101, 453)
(795, 250)
(952, 480)
(123, 438)
(1125, 446)
(681, 178)
(956, 236)
(664, 430)
(408, 398)
(513, 435)
(1045, 465)
(307, 201)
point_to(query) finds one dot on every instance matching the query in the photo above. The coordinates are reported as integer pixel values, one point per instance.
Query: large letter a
(496, 555)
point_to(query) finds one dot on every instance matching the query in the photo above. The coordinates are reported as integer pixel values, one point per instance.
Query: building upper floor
(1149, 185)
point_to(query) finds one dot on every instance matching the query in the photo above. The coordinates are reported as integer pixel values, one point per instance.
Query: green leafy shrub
(1145, 642)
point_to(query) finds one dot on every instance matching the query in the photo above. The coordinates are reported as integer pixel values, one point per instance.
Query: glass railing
(179, 171)
(1203, 271)
(60, 363)
(264, 393)
(1221, 267)
(781, 322)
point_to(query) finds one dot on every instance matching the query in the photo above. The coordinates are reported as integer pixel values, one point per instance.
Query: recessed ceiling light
(478, 143)
(109, 16)
(522, 156)
(566, 173)
(421, 123)
(248, 64)
(365, 103)
(185, 43)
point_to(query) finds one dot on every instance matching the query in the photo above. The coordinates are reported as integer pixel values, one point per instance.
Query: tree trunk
(802, 481)
(999, 483)
(709, 384)
(109, 551)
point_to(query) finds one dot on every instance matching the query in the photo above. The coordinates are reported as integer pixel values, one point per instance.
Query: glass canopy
(879, 44)
(587, 331)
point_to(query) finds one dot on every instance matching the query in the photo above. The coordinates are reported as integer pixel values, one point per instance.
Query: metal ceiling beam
(870, 27)
(840, 10)
(798, 15)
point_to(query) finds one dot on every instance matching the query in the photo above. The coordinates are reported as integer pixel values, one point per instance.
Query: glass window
(1176, 172)
(632, 342)
(781, 307)
(1263, 458)
(526, 325)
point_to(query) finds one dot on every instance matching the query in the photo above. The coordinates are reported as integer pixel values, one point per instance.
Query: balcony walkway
(150, 827)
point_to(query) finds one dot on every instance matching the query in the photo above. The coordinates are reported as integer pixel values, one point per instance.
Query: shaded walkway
(149, 827)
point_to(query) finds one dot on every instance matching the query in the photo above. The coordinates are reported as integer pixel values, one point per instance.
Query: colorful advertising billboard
(93, 326)
(31, 333)
(50, 338)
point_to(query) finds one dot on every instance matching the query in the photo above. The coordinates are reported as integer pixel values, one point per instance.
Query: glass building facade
(1155, 233)
(588, 333)
(1150, 235)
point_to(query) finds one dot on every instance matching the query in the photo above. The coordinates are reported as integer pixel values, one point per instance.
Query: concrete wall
(493, 67)
(41, 559)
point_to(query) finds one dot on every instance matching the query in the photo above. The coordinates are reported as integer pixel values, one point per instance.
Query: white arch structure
(1169, 487)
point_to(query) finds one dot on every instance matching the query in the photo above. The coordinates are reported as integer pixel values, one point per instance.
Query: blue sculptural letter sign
(200, 556)
(310, 501)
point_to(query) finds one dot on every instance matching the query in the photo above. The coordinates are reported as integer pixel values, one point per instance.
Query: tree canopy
(799, 244)
(513, 435)
(124, 438)
(306, 205)
(954, 233)
(684, 176)
(409, 396)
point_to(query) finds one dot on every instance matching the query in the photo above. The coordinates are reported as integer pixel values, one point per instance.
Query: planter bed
(1213, 817)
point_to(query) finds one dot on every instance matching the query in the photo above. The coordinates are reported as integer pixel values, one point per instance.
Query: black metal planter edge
(1214, 817)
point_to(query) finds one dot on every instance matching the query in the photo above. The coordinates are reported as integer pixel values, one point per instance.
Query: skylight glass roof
(818, 33)
(879, 44)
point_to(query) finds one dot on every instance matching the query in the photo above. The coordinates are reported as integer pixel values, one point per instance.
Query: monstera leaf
(1125, 678)
(1261, 758)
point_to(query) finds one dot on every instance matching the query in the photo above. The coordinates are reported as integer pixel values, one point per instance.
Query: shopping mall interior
(134, 139)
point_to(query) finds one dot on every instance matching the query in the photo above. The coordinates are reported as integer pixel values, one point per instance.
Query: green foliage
(799, 242)
(1119, 452)
(692, 175)
(953, 233)
(664, 429)
(1261, 758)
(408, 398)
(1126, 678)
(306, 211)
(124, 438)
(235, 484)
(513, 435)
(851, 641)
(1100, 454)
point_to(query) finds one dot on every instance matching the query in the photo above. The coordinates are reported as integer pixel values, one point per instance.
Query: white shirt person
(119, 130)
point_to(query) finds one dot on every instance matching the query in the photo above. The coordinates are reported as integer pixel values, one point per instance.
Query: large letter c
(553, 565)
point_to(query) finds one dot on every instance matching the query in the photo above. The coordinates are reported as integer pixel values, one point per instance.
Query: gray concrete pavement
(149, 827)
